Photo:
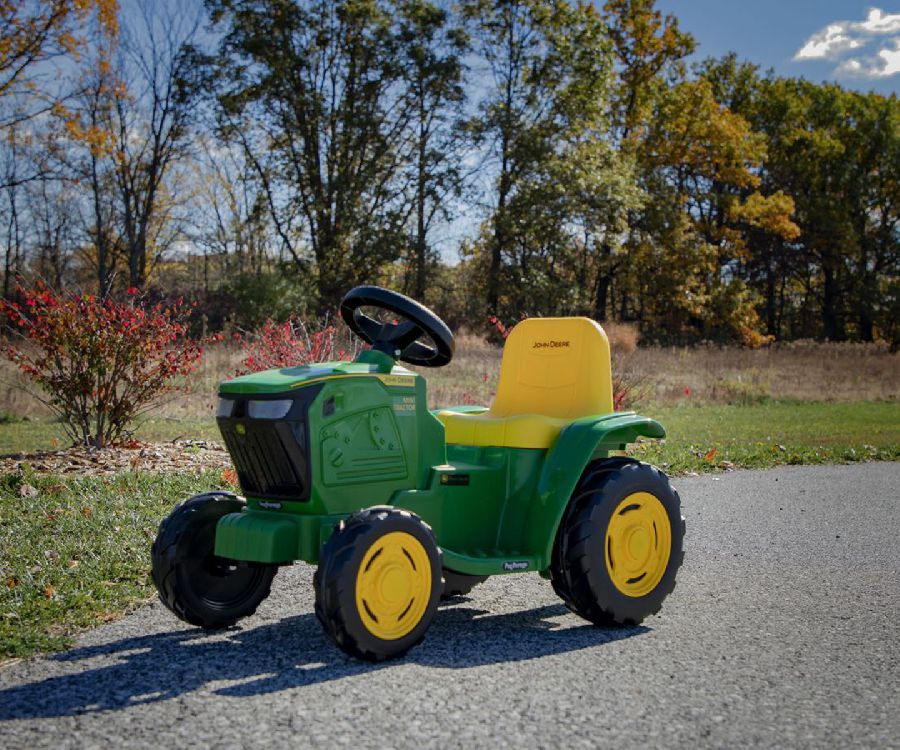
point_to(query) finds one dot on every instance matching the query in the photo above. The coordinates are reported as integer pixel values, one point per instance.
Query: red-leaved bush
(501, 328)
(99, 363)
(293, 343)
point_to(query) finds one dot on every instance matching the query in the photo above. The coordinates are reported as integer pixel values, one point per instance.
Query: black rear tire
(200, 588)
(591, 477)
(582, 565)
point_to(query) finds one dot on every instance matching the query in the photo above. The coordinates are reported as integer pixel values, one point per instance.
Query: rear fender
(580, 442)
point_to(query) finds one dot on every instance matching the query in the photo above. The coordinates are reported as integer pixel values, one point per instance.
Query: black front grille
(268, 459)
(271, 457)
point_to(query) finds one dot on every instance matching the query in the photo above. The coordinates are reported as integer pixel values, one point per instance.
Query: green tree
(649, 51)
(542, 122)
(873, 140)
(835, 152)
(310, 90)
(701, 162)
(433, 46)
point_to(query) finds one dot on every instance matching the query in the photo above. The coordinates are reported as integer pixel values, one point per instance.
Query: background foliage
(489, 157)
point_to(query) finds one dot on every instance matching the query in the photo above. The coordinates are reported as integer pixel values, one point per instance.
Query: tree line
(489, 157)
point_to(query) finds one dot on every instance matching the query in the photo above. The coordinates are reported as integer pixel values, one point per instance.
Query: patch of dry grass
(803, 371)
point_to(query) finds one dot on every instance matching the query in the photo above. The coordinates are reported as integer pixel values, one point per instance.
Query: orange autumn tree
(701, 163)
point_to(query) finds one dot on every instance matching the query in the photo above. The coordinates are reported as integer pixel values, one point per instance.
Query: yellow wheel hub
(638, 544)
(393, 585)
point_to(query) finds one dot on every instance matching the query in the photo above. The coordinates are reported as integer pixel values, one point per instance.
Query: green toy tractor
(344, 466)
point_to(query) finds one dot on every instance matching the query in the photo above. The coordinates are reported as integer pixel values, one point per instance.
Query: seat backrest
(558, 367)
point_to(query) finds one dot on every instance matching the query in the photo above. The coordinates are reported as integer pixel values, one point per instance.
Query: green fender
(578, 443)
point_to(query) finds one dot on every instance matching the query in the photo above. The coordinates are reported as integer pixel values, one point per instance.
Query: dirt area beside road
(180, 455)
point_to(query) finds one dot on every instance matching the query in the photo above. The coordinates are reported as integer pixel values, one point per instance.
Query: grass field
(807, 431)
(663, 376)
(713, 437)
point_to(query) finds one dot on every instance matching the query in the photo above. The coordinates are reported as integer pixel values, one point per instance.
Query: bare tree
(11, 228)
(151, 119)
(231, 222)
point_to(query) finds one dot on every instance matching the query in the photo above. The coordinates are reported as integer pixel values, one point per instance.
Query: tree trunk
(834, 330)
(771, 322)
(421, 243)
(500, 239)
(601, 292)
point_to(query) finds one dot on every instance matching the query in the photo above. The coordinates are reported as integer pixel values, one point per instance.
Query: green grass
(77, 553)
(30, 435)
(710, 438)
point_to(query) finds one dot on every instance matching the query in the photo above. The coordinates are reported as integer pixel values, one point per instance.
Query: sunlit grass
(75, 553)
(710, 438)
(46, 434)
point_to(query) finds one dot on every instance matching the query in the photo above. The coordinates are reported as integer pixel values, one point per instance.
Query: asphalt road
(784, 630)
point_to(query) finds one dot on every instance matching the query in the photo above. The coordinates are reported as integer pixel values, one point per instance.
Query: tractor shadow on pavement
(273, 657)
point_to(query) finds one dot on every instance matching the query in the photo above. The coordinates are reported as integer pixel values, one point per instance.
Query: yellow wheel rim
(638, 544)
(393, 585)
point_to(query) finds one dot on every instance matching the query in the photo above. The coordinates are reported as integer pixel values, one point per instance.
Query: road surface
(784, 630)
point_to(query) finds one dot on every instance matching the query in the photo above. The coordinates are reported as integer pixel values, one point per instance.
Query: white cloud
(828, 43)
(879, 30)
(879, 23)
(883, 65)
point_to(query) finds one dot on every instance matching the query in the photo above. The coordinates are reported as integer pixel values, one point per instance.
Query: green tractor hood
(287, 379)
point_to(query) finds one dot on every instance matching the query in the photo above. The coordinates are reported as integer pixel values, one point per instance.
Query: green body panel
(285, 380)
(579, 443)
(375, 438)
(477, 506)
(271, 536)
(372, 441)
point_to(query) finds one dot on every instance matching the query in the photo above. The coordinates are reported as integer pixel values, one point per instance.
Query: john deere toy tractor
(344, 466)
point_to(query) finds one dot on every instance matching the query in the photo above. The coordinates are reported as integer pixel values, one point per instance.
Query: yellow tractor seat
(554, 370)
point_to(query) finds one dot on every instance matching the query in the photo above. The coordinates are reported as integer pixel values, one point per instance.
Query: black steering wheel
(398, 338)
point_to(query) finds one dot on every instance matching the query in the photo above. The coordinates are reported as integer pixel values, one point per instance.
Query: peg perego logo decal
(550, 344)
(269, 506)
(516, 565)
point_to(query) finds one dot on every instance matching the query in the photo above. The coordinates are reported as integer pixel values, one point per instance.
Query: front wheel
(620, 544)
(192, 582)
(378, 583)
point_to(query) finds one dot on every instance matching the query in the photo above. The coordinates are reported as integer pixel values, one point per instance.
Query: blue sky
(856, 44)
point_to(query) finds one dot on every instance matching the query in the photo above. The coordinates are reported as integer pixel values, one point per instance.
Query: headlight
(226, 407)
(269, 409)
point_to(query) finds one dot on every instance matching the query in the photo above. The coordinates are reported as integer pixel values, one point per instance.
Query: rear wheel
(378, 583)
(200, 588)
(620, 544)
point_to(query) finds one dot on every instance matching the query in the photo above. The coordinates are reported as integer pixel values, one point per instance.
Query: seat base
(485, 429)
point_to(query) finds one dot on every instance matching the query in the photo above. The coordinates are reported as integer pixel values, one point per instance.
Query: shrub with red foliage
(99, 362)
(292, 343)
(501, 328)
(628, 390)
